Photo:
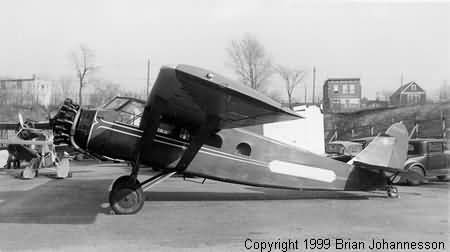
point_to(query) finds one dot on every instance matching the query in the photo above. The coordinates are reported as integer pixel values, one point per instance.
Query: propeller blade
(22, 124)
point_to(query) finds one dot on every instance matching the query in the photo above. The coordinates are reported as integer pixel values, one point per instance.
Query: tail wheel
(392, 192)
(419, 171)
(126, 196)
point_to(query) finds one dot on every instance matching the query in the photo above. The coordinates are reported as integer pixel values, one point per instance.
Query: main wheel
(126, 196)
(419, 171)
(120, 181)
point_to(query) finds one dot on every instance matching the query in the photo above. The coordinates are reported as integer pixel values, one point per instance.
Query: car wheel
(418, 170)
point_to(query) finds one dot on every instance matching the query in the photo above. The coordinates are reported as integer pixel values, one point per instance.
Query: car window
(435, 147)
(413, 149)
(334, 148)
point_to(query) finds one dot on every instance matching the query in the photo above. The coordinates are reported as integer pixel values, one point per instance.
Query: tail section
(386, 152)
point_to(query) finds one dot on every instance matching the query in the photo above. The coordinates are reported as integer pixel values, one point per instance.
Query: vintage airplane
(192, 124)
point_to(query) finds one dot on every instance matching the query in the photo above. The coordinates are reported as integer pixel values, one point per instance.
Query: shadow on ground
(258, 194)
(56, 202)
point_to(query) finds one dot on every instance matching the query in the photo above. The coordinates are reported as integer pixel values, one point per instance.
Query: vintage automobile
(429, 157)
(364, 141)
(342, 150)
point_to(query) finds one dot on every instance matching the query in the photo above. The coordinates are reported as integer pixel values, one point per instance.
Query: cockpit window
(130, 111)
(133, 108)
(116, 103)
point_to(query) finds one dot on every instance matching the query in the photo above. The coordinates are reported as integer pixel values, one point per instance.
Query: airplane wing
(8, 125)
(387, 152)
(16, 140)
(193, 94)
(14, 125)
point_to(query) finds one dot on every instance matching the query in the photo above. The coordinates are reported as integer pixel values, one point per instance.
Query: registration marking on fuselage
(302, 171)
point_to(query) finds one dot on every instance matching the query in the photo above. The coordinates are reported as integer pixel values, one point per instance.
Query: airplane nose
(63, 121)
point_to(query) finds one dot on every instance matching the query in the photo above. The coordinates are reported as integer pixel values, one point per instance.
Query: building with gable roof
(408, 94)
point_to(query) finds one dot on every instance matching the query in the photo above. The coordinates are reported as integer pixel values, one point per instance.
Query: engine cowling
(63, 121)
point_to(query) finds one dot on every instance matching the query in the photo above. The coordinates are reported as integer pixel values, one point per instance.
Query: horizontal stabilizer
(386, 152)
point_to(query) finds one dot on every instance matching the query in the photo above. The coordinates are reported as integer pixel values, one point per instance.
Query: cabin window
(214, 141)
(244, 149)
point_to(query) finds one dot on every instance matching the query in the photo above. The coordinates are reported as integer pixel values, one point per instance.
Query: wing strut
(198, 139)
(150, 123)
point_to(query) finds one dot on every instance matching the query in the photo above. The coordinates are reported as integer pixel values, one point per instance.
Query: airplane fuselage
(231, 155)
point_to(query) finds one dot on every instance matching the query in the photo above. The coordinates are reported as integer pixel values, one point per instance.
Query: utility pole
(306, 95)
(401, 80)
(148, 76)
(314, 86)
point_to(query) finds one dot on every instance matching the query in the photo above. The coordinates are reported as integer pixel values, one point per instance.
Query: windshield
(130, 111)
(116, 103)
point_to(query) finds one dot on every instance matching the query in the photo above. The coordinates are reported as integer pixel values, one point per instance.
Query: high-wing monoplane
(192, 124)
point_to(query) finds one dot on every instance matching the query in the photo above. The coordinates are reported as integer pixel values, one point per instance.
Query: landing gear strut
(392, 191)
(127, 193)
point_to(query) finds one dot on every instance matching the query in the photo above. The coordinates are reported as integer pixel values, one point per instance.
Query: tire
(126, 196)
(126, 200)
(392, 192)
(119, 182)
(418, 170)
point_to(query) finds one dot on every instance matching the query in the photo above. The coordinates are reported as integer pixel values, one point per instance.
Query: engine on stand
(63, 121)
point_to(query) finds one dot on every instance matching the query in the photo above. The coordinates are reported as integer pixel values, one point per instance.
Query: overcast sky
(376, 41)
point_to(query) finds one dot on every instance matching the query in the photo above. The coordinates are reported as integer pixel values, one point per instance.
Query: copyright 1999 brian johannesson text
(343, 244)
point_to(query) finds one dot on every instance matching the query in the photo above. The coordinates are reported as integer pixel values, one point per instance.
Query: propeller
(21, 122)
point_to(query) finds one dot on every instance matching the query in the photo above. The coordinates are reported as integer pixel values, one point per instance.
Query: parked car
(342, 150)
(363, 141)
(429, 157)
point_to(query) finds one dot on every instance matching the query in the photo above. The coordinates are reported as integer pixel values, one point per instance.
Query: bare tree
(84, 63)
(292, 78)
(250, 61)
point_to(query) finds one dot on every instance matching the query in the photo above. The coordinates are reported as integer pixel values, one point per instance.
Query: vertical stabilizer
(388, 150)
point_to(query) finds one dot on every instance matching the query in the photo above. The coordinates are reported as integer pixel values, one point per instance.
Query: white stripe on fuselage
(302, 171)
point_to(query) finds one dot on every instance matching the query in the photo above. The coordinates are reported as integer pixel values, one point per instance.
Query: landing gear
(126, 195)
(392, 192)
